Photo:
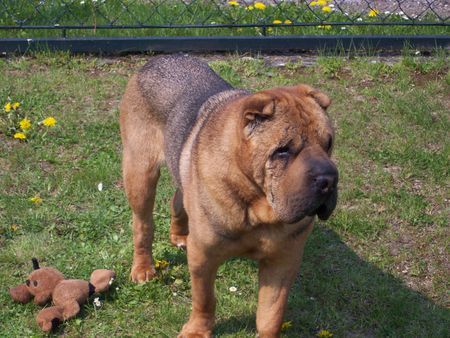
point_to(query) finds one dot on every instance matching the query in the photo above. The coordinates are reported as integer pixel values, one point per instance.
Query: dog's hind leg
(142, 139)
(178, 221)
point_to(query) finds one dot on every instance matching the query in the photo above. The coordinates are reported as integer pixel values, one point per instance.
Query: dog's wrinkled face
(287, 146)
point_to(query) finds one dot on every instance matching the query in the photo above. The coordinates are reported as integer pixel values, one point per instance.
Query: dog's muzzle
(325, 188)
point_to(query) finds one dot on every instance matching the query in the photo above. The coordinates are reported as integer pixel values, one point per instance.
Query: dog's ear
(322, 99)
(259, 104)
(256, 109)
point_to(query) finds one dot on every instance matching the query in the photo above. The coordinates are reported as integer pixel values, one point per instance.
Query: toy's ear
(20, 294)
(102, 279)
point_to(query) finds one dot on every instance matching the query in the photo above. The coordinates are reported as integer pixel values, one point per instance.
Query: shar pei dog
(251, 170)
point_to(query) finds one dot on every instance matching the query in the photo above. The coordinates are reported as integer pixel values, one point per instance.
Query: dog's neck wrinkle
(213, 103)
(228, 197)
(249, 199)
(209, 108)
(256, 206)
(258, 209)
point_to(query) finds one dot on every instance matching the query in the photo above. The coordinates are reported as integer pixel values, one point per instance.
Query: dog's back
(175, 88)
(177, 85)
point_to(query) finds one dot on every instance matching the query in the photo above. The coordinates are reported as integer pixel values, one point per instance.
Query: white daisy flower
(97, 302)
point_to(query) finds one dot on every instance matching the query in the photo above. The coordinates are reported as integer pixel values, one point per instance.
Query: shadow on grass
(177, 257)
(338, 291)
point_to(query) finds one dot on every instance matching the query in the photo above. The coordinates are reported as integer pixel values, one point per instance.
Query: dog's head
(286, 146)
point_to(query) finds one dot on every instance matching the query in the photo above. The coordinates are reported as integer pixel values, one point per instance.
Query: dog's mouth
(325, 210)
(323, 207)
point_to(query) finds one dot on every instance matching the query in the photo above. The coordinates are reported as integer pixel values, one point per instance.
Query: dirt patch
(46, 166)
(5, 164)
(410, 9)
(415, 256)
(422, 79)
(7, 143)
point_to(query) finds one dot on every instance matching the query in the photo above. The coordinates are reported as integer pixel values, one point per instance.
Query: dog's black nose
(325, 184)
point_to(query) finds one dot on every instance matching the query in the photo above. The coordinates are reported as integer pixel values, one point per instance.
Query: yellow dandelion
(250, 8)
(326, 9)
(287, 22)
(313, 3)
(286, 325)
(20, 136)
(321, 3)
(277, 22)
(324, 26)
(14, 227)
(260, 6)
(233, 3)
(49, 121)
(15, 105)
(269, 29)
(36, 199)
(324, 334)
(8, 107)
(25, 124)
(161, 264)
(373, 12)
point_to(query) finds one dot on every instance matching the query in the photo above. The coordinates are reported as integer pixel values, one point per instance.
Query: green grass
(376, 268)
(203, 13)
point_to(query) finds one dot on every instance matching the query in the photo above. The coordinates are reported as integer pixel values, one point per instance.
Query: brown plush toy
(45, 284)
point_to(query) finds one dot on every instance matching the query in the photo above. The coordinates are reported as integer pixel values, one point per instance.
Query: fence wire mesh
(163, 14)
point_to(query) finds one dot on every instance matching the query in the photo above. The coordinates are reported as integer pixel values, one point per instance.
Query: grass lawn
(378, 267)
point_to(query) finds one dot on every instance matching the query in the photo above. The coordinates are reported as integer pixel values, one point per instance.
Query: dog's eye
(281, 153)
(35, 283)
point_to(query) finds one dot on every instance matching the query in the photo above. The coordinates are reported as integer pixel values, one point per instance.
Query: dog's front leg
(203, 268)
(276, 275)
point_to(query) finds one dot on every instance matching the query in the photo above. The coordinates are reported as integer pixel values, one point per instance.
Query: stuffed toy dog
(67, 295)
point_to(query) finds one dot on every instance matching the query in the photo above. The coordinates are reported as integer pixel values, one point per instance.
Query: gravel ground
(410, 8)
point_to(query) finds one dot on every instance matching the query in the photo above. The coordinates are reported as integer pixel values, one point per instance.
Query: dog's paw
(195, 334)
(141, 273)
(179, 241)
(197, 329)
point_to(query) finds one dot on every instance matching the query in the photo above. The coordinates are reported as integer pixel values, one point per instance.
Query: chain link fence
(33, 19)
(176, 14)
